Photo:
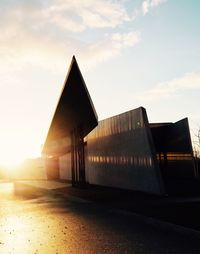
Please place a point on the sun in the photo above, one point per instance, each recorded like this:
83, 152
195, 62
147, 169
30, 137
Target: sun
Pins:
12, 155
17, 146
10, 163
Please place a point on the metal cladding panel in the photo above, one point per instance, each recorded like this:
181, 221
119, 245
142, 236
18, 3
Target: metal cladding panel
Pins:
179, 137
172, 137
174, 149
74, 110
120, 153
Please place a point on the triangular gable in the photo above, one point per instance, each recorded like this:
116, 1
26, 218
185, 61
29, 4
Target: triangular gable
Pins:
74, 109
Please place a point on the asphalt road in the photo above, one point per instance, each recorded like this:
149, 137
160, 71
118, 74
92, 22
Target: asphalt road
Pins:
47, 223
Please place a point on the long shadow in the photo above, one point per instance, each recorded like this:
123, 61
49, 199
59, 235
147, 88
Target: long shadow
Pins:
185, 213
102, 218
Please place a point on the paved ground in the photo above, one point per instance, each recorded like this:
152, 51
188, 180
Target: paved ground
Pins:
181, 210
37, 221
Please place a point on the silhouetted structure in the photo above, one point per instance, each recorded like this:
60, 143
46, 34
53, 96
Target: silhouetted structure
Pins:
123, 151
173, 148
73, 119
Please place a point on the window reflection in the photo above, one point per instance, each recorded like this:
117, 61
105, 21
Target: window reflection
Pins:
174, 156
122, 160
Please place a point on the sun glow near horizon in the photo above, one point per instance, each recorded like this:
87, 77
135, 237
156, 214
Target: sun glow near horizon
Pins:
15, 152
125, 51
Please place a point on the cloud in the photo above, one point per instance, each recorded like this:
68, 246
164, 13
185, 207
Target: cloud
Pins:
91, 14
30, 36
34, 32
148, 4
109, 47
190, 81
51, 53
74, 16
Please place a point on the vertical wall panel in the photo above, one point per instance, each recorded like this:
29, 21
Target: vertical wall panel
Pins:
122, 159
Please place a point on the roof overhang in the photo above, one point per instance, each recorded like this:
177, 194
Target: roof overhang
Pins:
74, 110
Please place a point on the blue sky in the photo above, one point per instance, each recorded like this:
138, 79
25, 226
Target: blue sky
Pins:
131, 54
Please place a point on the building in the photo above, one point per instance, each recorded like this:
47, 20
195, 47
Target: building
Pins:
123, 151
74, 118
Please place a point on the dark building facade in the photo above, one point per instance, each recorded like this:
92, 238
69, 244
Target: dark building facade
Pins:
123, 151
74, 118
174, 149
120, 153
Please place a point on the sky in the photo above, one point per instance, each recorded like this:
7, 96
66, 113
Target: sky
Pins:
131, 53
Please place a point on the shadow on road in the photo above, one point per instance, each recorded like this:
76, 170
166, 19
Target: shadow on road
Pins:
88, 227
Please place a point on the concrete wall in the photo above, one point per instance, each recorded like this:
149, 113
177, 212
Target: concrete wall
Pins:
120, 153
65, 166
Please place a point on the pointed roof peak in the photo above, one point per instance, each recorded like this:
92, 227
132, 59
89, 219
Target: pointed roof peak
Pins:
74, 109
73, 61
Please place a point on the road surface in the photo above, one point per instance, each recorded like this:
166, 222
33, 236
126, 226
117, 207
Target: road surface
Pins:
38, 223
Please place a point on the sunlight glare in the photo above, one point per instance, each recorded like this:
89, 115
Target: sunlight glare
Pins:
14, 151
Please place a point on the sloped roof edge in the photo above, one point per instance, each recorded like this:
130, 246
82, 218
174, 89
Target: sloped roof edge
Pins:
73, 62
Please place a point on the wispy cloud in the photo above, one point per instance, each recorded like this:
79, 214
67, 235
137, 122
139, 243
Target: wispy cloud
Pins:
110, 46
149, 4
189, 81
74, 16
52, 54
37, 31
90, 14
